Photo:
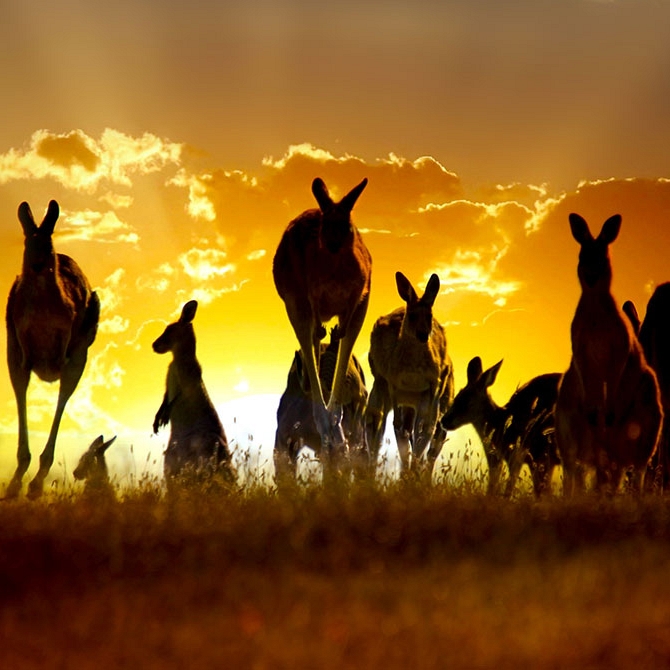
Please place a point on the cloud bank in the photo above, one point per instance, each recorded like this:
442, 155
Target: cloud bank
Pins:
153, 226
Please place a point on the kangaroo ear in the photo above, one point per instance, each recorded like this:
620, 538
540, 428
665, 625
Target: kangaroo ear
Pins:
26, 219
580, 229
321, 194
432, 289
49, 222
490, 375
630, 311
350, 198
610, 229
188, 311
97, 443
103, 447
474, 370
405, 289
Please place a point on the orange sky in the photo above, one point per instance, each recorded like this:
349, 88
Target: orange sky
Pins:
180, 139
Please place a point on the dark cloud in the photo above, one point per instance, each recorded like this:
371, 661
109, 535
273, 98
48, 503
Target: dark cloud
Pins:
68, 151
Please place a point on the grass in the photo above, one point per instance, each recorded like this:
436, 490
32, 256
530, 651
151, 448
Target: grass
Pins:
338, 576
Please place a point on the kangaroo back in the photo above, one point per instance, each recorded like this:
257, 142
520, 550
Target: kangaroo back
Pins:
655, 338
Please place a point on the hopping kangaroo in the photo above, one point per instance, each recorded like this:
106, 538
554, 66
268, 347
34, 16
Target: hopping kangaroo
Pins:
654, 336
92, 468
295, 421
52, 319
413, 375
608, 410
197, 439
520, 432
322, 270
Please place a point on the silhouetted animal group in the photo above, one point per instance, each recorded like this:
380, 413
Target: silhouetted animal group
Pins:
603, 415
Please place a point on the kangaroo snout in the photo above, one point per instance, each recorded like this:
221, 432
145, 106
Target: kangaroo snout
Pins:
159, 347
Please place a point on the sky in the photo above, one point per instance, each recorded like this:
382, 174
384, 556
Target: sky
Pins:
181, 138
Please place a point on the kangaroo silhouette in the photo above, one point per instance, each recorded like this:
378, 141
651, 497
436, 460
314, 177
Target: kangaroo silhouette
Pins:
322, 270
608, 409
197, 440
52, 320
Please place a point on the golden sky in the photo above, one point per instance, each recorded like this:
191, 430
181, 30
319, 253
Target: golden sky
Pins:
180, 138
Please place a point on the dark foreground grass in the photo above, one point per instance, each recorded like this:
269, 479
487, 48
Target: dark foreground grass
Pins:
335, 577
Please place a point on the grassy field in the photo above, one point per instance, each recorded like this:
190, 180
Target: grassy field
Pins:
341, 576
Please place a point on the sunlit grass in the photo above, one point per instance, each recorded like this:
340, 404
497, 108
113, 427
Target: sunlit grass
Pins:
370, 572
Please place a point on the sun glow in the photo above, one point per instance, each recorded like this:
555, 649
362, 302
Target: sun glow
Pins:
498, 260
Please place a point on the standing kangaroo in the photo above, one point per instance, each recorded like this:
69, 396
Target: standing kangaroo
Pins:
520, 432
295, 422
52, 320
608, 410
413, 375
322, 270
197, 439
654, 336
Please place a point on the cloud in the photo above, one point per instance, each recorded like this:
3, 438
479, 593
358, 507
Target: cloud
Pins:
232, 199
504, 253
250, 211
207, 294
304, 151
89, 225
104, 370
110, 291
81, 163
114, 325
256, 255
68, 151
159, 280
475, 272
416, 213
200, 206
116, 200
111, 299
395, 183
205, 264
196, 274
424, 174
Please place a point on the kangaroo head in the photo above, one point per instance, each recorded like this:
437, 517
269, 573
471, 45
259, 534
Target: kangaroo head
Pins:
594, 265
179, 337
39, 256
473, 399
336, 226
92, 462
418, 319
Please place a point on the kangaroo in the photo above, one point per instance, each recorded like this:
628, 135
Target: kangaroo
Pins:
295, 421
322, 270
608, 409
197, 439
413, 375
92, 468
520, 432
52, 319
654, 336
